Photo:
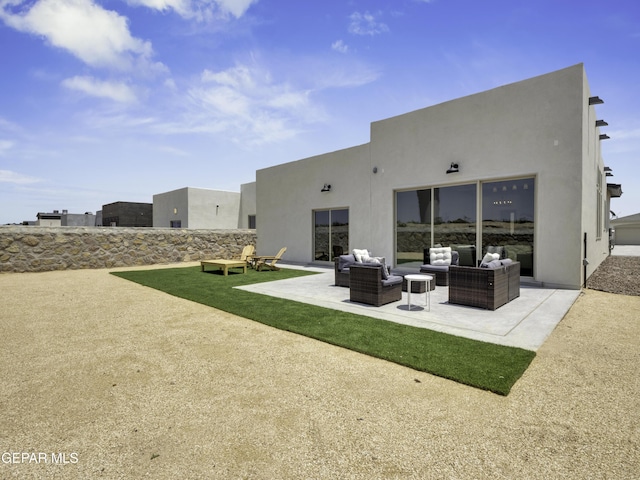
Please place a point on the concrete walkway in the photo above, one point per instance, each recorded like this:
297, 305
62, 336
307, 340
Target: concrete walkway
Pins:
626, 250
525, 322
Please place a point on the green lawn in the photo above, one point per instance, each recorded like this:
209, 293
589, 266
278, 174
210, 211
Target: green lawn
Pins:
483, 365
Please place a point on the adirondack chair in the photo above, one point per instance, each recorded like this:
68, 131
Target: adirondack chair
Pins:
247, 254
268, 261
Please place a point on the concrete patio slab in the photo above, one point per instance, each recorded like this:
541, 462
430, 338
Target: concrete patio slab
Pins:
525, 322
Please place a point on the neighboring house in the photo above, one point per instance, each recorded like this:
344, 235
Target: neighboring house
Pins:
127, 214
65, 219
201, 208
517, 166
627, 230
53, 219
86, 219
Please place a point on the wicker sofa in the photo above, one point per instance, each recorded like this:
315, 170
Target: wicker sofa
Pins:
366, 285
488, 288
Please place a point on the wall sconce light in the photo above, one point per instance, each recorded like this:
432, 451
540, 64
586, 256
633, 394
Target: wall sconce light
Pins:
453, 168
595, 101
326, 188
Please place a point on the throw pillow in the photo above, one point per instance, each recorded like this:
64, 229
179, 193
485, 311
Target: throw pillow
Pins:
359, 254
488, 258
385, 269
440, 256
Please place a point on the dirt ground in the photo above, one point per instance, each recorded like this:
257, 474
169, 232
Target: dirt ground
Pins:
103, 378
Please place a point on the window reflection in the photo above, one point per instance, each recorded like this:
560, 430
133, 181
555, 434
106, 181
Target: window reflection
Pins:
454, 221
448, 216
331, 233
508, 220
413, 225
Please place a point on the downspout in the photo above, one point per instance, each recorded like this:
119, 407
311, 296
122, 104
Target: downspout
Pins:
585, 262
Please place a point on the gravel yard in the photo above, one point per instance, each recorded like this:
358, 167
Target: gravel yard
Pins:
103, 378
617, 274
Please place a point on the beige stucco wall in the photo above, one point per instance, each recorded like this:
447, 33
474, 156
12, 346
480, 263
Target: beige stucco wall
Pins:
287, 194
627, 230
247, 203
197, 208
541, 127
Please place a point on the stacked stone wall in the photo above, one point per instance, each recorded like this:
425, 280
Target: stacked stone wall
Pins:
38, 249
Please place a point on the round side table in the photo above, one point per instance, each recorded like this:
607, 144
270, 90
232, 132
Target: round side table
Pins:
419, 278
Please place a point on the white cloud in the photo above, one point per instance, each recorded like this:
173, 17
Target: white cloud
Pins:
198, 9
5, 145
117, 91
339, 46
98, 37
245, 102
366, 24
237, 8
7, 176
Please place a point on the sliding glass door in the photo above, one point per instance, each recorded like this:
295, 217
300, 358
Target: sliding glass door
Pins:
508, 220
454, 220
448, 217
330, 233
413, 225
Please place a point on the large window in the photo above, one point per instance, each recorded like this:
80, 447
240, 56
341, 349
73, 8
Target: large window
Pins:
413, 225
447, 216
331, 233
454, 220
508, 220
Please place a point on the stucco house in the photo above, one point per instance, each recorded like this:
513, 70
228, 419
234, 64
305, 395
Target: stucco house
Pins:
627, 230
517, 166
201, 208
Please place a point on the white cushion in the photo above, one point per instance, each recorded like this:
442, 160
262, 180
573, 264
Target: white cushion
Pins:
490, 257
359, 254
440, 256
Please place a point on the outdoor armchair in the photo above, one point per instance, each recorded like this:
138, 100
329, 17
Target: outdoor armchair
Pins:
367, 285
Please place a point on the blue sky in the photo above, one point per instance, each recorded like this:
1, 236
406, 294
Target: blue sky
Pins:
117, 100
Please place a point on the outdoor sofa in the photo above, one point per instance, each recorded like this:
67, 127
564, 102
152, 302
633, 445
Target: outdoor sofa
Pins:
489, 286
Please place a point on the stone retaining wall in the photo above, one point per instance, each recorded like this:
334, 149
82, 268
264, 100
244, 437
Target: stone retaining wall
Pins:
38, 249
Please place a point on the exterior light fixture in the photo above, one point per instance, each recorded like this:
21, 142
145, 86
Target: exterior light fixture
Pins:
601, 123
326, 188
453, 168
608, 172
595, 101
604, 136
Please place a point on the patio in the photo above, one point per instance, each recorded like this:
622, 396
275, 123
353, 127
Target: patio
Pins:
525, 322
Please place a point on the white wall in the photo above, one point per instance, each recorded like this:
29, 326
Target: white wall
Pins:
541, 127
247, 203
197, 208
287, 195
213, 208
627, 230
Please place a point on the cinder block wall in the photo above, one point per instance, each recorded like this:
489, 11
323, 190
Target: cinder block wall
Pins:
39, 249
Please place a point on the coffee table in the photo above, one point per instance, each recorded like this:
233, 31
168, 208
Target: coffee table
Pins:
419, 278
225, 265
